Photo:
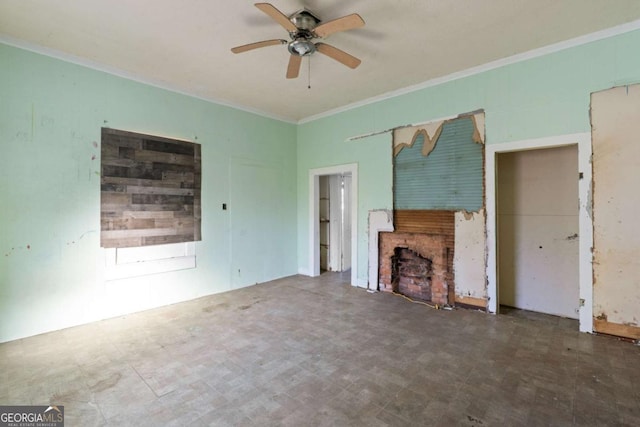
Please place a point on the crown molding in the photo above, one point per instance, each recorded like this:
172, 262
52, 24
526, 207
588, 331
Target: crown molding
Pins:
94, 65
525, 56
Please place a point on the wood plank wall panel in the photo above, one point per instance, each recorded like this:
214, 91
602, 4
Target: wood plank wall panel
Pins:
150, 190
424, 221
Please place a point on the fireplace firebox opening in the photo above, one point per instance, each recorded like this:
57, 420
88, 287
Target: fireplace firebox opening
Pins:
411, 274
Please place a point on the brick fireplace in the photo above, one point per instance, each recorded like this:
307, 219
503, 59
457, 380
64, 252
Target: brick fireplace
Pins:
416, 260
415, 265
411, 274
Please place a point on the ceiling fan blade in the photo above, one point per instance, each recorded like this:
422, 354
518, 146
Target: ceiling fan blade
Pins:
337, 54
277, 16
294, 66
256, 45
345, 23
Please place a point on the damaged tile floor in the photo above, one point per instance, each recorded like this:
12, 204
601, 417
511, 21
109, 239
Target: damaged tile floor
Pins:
315, 351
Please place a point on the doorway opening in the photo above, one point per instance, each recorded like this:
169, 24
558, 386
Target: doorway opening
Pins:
538, 230
335, 222
342, 254
584, 236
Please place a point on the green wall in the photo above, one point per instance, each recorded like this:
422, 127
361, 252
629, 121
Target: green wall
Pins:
51, 112
51, 263
543, 96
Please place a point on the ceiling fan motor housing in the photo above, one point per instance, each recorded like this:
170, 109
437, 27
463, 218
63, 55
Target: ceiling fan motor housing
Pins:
305, 20
301, 44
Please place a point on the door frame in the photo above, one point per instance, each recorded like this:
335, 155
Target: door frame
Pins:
585, 221
335, 222
314, 217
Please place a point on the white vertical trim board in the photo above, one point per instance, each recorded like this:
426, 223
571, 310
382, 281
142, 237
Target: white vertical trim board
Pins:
335, 223
583, 140
314, 217
379, 220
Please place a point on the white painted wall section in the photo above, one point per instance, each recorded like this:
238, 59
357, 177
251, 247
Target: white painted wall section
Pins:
615, 116
379, 220
470, 255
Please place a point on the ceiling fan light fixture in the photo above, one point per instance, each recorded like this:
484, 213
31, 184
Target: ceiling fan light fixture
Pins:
301, 47
303, 27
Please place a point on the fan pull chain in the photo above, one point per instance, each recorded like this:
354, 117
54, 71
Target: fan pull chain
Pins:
309, 63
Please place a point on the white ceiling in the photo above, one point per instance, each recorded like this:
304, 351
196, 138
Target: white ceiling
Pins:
185, 45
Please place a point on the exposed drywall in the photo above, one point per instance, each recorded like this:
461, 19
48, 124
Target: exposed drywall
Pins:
406, 136
615, 119
469, 258
52, 269
538, 241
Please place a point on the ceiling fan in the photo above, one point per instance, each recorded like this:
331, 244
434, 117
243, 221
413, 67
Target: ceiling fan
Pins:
303, 27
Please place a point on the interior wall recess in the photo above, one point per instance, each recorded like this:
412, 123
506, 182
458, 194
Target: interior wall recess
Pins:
585, 223
438, 170
150, 190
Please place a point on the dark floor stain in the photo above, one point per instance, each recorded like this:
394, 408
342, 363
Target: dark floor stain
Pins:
211, 308
245, 307
107, 383
66, 396
474, 420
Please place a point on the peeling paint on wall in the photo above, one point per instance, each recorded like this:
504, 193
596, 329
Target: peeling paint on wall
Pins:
407, 136
452, 178
478, 125
616, 267
467, 215
449, 178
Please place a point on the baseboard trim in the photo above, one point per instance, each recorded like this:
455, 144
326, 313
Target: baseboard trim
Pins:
472, 301
617, 329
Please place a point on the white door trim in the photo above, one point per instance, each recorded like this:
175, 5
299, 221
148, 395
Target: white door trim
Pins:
583, 140
314, 218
